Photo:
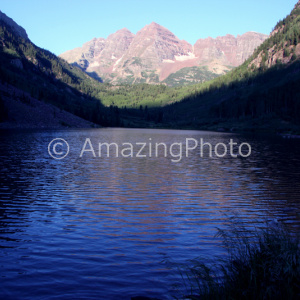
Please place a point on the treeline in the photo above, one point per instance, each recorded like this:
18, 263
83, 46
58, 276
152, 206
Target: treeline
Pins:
132, 96
277, 102
271, 95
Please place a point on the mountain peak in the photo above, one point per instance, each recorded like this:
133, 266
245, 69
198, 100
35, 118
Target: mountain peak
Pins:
155, 26
124, 30
154, 29
20, 31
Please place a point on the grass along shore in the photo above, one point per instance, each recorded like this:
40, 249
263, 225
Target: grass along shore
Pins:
262, 263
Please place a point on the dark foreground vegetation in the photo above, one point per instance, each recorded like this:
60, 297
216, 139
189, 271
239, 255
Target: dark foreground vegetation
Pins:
261, 264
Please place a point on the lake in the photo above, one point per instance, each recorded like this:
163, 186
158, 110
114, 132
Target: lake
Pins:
89, 226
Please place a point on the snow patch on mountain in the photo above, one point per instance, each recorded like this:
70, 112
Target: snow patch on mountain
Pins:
185, 57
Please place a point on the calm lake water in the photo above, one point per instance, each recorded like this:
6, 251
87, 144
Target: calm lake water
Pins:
99, 228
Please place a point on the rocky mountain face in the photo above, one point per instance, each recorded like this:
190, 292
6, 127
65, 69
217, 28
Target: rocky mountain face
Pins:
100, 53
155, 53
228, 50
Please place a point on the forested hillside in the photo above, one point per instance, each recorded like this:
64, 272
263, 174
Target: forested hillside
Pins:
262, 93
50, 79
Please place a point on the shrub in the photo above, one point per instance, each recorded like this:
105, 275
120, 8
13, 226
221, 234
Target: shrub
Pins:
261, 264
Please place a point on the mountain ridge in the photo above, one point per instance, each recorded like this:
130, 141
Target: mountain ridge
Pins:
154, 53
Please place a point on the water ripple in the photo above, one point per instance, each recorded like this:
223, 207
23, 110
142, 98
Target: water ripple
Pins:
99, 228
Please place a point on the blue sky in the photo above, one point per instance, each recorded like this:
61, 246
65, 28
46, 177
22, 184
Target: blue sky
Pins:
61, 25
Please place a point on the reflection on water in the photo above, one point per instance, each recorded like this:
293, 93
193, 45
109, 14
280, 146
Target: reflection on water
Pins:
99, 228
